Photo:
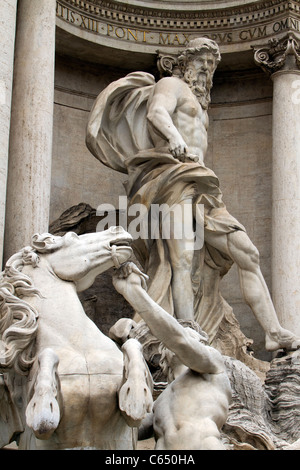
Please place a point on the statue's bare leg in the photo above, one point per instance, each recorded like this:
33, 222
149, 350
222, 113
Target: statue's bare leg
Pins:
43, 411
254, 289
181, 252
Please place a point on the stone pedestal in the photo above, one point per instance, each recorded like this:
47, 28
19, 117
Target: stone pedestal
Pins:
8, 11
29, 172
282, 59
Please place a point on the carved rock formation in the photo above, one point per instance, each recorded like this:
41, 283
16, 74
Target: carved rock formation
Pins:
265, 415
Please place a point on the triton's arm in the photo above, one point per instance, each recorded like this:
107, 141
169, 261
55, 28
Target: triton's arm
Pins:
190, 351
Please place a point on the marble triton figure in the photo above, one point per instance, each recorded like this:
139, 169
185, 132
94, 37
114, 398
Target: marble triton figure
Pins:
191, 411
156, 132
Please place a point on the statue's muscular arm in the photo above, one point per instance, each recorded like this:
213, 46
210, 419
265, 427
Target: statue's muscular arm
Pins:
165, 99
198, 357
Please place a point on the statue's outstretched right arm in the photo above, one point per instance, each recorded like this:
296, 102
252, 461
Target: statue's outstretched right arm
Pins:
190, 351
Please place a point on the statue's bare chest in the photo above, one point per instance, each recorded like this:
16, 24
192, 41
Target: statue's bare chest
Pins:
191, 113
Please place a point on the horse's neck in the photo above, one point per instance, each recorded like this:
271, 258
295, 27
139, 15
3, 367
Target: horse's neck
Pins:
64, 327
58, 297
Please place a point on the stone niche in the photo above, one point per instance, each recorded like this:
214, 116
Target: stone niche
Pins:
99, 41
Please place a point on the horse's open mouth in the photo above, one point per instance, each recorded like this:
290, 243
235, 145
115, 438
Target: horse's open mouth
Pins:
120, 243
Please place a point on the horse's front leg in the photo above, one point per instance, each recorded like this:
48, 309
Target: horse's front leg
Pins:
43, 410
135, 395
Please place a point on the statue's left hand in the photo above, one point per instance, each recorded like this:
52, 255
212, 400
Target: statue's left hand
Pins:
129, 276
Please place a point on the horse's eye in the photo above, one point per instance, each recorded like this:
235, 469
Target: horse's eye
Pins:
71, 236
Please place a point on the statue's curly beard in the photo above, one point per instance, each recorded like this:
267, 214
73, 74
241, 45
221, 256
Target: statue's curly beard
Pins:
200, 83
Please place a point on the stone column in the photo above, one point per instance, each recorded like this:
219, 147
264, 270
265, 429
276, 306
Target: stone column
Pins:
29, 171
282, 60
8, 12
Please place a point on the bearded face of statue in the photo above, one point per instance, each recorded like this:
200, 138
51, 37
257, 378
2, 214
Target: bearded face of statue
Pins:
198, 75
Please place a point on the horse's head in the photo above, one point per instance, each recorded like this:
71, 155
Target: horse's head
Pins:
80, 258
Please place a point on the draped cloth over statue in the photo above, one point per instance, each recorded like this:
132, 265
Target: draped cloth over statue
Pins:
118, 135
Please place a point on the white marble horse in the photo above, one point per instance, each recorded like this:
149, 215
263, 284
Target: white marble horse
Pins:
70, 374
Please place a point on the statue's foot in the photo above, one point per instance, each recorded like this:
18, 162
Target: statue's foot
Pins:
43, 411
283, 339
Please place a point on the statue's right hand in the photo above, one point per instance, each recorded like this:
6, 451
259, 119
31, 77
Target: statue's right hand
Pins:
178, 148
128, 276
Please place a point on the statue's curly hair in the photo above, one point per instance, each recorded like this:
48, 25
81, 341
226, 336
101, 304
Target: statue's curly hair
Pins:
198, 45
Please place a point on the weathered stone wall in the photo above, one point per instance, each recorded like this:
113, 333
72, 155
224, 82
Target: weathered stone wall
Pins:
76, 175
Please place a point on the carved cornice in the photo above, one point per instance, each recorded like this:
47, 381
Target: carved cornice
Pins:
184, 19
148, 29
273, 57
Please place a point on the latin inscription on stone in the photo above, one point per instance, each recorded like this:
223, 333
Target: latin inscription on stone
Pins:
164, 38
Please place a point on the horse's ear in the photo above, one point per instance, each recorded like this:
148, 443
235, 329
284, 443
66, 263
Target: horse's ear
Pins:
45, 242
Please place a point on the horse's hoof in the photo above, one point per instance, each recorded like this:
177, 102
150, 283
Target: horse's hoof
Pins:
43, 415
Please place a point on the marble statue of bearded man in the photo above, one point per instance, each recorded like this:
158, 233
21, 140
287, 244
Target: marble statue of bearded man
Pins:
156, 133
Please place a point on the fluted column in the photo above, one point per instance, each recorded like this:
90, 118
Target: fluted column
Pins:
8, 12
282, 60
29, 171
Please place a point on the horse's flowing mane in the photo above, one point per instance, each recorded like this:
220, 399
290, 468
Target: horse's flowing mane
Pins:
18, 319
